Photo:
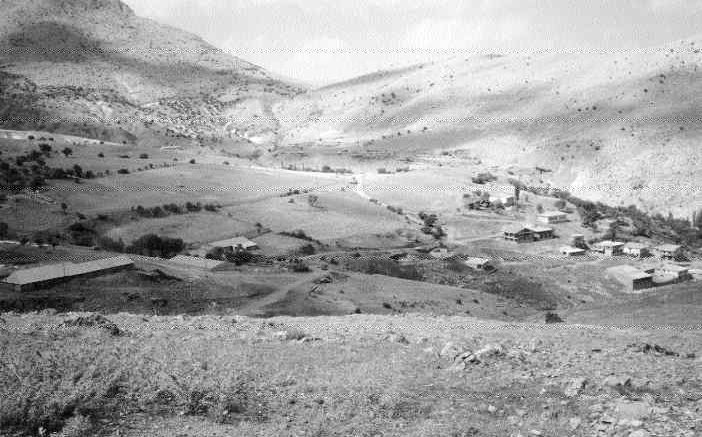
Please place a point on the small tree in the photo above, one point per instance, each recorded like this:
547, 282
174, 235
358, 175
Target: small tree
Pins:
144, 156
67, 151
64, 207
539, 208
45, 149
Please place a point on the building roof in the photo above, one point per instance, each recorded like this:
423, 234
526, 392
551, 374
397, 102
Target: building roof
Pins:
64, 270
552, 214
568, 249
674, 268
633, 245
609, 243
514, 229
539, 229
192, 261
234, 242
668, 247
475, 261
630, 272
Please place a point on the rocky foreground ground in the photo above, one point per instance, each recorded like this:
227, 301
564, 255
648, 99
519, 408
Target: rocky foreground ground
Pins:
123, 375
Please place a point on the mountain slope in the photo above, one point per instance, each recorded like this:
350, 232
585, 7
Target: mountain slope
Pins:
616, 127
66, 62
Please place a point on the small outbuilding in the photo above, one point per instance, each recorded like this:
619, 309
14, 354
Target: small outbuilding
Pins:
550, 217
478, 263
441, 253
637, 250
609, 248
668, 251
572, 251
679, 272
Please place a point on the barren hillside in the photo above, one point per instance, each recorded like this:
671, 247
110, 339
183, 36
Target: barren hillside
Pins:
618, 127
94, 68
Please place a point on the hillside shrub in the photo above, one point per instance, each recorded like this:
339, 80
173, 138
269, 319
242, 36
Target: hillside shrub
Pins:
483, 178
155, 245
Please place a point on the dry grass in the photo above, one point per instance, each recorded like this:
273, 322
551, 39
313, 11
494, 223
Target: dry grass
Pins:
237, 375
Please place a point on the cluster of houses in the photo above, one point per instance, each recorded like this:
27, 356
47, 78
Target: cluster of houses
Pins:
635, 279
479, 200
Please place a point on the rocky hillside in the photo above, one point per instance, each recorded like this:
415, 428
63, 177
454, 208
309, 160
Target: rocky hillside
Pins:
92, 67
618, 127
356, 375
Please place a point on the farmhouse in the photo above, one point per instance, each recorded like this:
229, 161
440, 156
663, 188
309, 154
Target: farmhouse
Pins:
609, 248
679, 272
631, 277
572, 251
517, 233
668, 251
45, 276
526, 233
540, 232
549, 217
441, 253
233, 243
200, 263
478, 263
638, 250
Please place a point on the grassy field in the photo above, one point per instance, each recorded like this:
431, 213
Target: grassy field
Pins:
335, 215
196, 228
186, 183
355, 375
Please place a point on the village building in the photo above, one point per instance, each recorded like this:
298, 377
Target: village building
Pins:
517, 234
631, 277
680, 273
609, 248
668, 251
441, 253
550, 217
233, 243
48, 275
541, 232
572, 251
200, 263
478, 263
637, 250
527, 233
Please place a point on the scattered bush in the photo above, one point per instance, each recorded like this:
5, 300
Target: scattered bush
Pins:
122, 171
484, 178
298, 266
154, 245
144, 156
553, 318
